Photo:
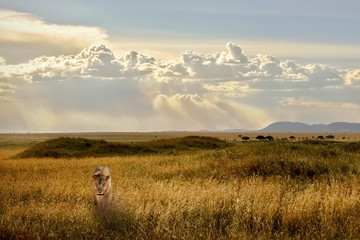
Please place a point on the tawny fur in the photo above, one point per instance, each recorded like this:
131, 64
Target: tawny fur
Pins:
101, 188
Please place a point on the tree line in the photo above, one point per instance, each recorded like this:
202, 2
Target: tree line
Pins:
292, 138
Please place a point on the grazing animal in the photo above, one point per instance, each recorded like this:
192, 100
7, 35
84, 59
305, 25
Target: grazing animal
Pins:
101, 188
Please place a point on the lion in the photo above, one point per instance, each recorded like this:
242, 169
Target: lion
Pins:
101, 188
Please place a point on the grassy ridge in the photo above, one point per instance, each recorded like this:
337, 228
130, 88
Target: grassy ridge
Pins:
65, 147
254, 190
306, 160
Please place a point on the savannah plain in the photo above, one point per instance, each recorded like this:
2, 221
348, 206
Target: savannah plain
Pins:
300, 189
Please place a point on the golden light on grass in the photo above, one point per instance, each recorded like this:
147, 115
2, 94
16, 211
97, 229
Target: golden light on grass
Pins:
256, 190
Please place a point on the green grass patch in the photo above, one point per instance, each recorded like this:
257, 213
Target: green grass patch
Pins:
65, 147
297, 160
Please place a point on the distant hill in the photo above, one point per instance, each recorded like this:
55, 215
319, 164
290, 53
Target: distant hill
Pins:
65, 147
298, 127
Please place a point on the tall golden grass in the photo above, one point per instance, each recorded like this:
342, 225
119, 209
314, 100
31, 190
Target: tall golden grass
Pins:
260, 190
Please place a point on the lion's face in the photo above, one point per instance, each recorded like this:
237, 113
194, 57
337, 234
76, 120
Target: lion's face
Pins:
101, 178
101, 184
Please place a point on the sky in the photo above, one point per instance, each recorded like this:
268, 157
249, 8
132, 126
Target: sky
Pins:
177, 65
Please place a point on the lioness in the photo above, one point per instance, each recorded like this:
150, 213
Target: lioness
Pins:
101, 188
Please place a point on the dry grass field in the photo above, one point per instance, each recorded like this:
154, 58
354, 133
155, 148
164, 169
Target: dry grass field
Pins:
252, 190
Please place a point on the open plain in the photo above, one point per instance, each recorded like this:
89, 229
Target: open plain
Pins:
301, 189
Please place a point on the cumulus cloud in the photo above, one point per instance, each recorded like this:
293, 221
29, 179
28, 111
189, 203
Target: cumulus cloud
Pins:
352, 77
95, 61
205, 66
137, 61
139, 92
99, 61
234, 55
167, 71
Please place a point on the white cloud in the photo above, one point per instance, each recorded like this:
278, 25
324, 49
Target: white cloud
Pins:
352, 77
99, 61
25, 35
95, 61
137, 61
23, 27
234, 55
167, 71
270, 65
323, 76
205, 66
139, 92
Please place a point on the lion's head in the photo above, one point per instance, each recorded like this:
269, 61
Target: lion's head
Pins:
101, 180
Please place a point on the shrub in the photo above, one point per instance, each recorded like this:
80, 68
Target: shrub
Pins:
245, 138
260, 137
